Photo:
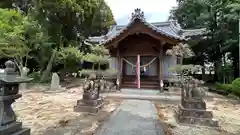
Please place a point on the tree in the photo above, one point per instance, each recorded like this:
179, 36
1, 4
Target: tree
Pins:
221, 31
66, 24
18, 34
182, 51
70, 57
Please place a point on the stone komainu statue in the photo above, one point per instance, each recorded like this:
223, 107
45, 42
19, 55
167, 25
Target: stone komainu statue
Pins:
197, 91
91, 87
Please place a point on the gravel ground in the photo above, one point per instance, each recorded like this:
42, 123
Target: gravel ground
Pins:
226, 111
51, 113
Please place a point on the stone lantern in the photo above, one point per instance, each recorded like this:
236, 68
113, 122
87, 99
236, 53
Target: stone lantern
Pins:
9, 92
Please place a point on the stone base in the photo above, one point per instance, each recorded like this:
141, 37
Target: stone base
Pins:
199, 113
90, 102
195, 117
14, 129
194, 104
89, 106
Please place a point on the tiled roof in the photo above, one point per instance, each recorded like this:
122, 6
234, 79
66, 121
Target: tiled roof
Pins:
169, 28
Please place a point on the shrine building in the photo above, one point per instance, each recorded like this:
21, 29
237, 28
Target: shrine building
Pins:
143, 45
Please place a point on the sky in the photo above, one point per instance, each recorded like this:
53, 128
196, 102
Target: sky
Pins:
154, 10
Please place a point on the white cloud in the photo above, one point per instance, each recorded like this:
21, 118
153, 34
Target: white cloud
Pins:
123, 8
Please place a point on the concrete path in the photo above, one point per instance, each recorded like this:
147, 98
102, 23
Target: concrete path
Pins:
133, 117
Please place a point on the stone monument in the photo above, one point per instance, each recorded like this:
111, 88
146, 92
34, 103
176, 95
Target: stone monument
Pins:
9, 88
90, 102
192, 110
55, 82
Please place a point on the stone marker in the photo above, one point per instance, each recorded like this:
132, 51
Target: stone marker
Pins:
9, 88
55, 82
24, 74
192, 110
91, 102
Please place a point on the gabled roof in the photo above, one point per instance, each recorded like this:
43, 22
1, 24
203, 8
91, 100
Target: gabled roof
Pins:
169, 29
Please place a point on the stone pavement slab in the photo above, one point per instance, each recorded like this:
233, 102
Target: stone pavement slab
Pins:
133, 117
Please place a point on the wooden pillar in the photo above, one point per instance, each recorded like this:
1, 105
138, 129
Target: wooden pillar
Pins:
118, 69
161, 77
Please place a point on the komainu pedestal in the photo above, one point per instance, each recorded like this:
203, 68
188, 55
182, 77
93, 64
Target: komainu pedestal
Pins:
192, 110
9, 88
91, 102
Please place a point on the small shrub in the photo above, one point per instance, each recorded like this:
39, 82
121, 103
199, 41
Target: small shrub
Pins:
36, 76
220, 86
224, 89
236, 86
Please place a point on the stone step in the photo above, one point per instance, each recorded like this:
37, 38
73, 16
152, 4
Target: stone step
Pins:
142, 86
10, 128
24, 131
194, 112
196, 121
142, 82
88, 109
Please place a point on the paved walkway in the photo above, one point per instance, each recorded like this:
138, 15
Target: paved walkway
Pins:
133, 117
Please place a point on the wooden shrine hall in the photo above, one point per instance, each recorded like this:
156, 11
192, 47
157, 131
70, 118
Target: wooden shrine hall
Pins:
137, 50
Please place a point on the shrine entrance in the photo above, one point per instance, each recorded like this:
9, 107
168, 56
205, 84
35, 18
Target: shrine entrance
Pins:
148, 71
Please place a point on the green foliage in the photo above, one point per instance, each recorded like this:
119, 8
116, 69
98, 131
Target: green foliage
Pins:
236, 86
99, 50
71, 57
12, 30
96, 59
184, 69
98, 55
36, 76
182, 50
45, 26
110, 72
227, 87
220, 21
104, 73
73, 19
21, 37
86, 72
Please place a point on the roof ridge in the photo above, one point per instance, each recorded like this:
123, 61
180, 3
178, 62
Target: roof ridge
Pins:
154, 23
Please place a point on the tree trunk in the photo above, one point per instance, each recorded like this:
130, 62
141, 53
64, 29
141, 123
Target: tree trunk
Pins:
49, 67
235, 67
203, 69
215, 71
224, 74
19, 63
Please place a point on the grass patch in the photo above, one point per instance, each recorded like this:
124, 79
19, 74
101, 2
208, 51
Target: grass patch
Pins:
226, 89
